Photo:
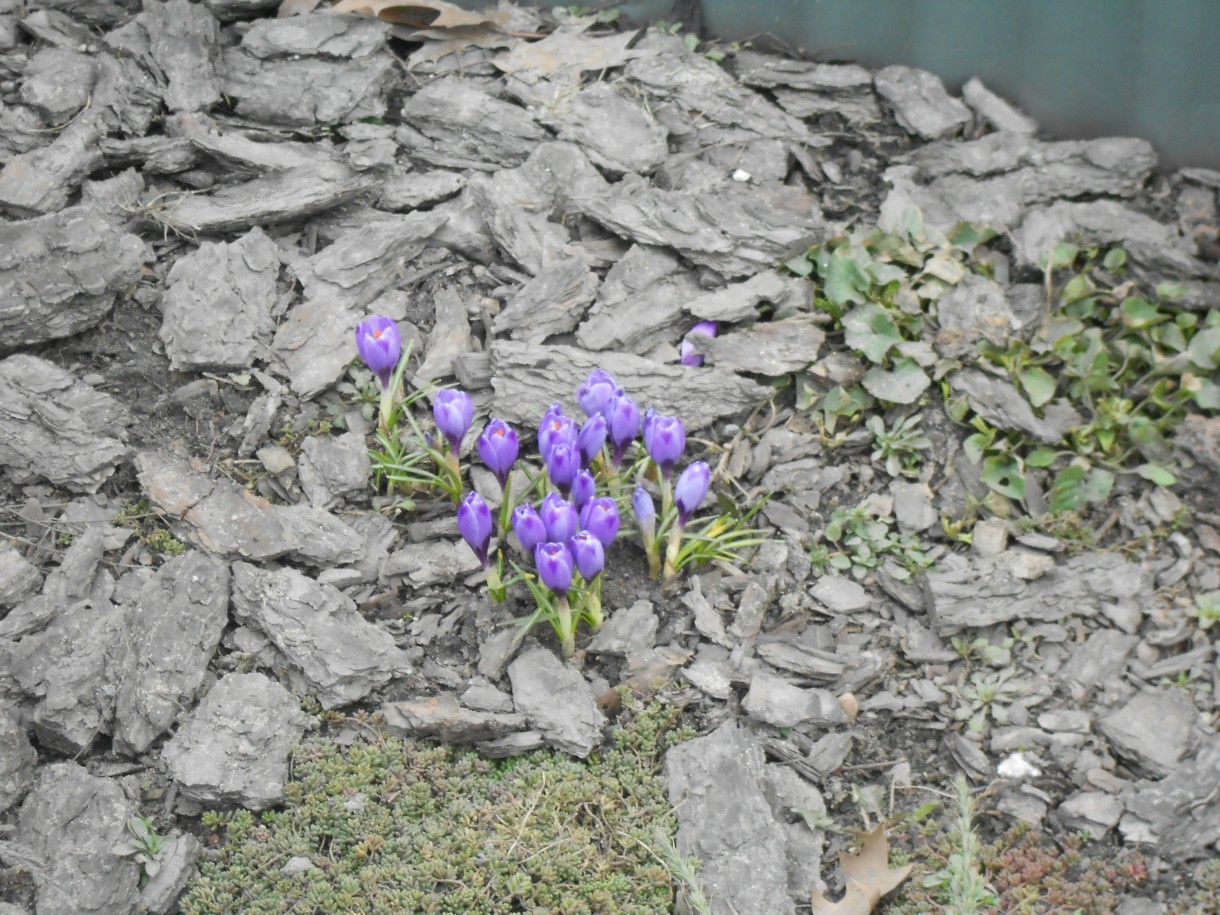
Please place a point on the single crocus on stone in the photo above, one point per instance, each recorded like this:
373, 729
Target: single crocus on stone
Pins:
596, 390
584, 488
474, 524
498, 447
562, 465
553, 560
588, 554
591, 437
559, 516
380, 346
689, 356
453, 411
528, 527
665, 440
556, 428
600, 518
623, 424
690, 489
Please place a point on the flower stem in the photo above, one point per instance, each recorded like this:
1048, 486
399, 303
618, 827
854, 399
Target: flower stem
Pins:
495, 581
593, 604
564, 627
672, 548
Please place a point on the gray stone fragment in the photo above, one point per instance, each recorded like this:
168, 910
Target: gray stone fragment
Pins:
980, 593
70, 822
307, 90
61, 273
18, 760
771, 348
481, 696
228, 10
218, 303
177, 868
1093, 812
19, 578
627, 632
913, 507
558, 701
794, 802
1152, 731
333, 467
441, 717
776, 701
315, 337
450, 337
997, 112
184, 41
805, 88
222, 518
339, 656
176, 625
58, 83
552, 303
1103, 655
839, 594
829, 752
512, 745
436, 562
417, 189
233, 750
739, 301
733, 230
57, 428
640, 302
460, 122
989, 538
1001, 404
920, 102
320, 33
813, 663
526, 378
116, 196
616, 131
1178, 809
716, 786
976, 308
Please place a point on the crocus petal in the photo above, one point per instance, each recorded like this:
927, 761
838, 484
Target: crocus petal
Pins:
560, 517
453, 411
474, 524
528, 527
665, 440
623, 420
562, 464
596, 390
584, 488
588, 554
380, 346
689, 356
690, 489
600, 518
498, 447
553, 560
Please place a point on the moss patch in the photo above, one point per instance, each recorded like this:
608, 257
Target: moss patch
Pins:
390, 825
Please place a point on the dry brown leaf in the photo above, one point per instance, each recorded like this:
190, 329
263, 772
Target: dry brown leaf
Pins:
868, 876
419, 14
850, 705
567, 49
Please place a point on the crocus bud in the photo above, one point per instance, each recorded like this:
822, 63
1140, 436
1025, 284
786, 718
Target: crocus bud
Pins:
553, 560
474, 524
689, 356
690, 490
562, 464
559, 516
591, 437
645, 509
597, 389
555, 428
528, 527
584, 488
623, 422
380, 346
600, 518
665, 440
498, 446
588, 554
453, 411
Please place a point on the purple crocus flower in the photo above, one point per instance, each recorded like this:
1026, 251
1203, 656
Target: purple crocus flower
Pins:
665, 440
380, 346
562, 464
498, 447
645, 509
584, 488
453, 411
556, 428
529, 527
597, 389
559, 516
553, 560
689, 356
588, 554
591, 437
690, 490
600, 518
474, 524
623, 422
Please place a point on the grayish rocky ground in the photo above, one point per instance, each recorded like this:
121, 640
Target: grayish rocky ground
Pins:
197, 211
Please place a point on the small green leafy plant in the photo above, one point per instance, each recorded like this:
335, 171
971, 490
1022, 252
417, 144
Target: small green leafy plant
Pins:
1206, 610
858, 540
143, 846
898, 447
961, 882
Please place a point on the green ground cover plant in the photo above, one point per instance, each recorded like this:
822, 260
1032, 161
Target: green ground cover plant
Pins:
390, 825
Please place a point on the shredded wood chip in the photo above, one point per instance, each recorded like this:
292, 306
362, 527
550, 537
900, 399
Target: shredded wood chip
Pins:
419, 14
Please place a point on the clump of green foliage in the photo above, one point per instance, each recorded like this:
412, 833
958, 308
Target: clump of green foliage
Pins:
858, 540
1206, 895
143, 845
391, 825
140, 516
